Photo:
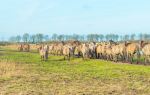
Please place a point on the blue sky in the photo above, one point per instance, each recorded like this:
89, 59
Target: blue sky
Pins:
74, 16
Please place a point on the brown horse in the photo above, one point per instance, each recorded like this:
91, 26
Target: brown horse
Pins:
108, 51
78, 50
101, 50
118, 52
20, 47
132, 49
26, 47
145, 51
67, 51
85, 51
43, 50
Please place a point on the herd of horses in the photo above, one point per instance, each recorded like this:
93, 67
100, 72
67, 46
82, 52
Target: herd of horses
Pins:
111, 51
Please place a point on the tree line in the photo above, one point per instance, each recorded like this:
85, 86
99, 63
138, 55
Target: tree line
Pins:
38, 38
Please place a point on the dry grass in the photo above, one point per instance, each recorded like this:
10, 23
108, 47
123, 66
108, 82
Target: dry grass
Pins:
15, 47
8, 73
8, 70
33, 79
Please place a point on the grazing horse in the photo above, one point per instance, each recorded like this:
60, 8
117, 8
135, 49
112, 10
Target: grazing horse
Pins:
26, 47
118, 52
92, 47
100, 50
78, 50
145, 51
85, 51
59, 48
38, 46
20, 47
108, 51
43, 50
131, 50
51, 49
74, 46
67, 51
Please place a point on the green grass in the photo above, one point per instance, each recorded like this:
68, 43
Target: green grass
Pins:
25, 73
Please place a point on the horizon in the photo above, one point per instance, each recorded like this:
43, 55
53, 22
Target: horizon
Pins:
32, 38
74, 17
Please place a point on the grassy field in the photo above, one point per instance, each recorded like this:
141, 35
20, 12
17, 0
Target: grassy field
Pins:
24, 74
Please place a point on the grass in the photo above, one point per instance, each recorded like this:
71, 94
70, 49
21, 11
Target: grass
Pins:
24, 73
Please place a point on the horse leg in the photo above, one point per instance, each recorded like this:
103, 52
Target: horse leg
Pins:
131, 59
83, 56
145, 61
64, 58
47, 55
115, 58
97, 56
122, 59
41, 58
148, 60
127, 58
101, 56
108, 58
44, 57
69, 58
111, 57
78, 54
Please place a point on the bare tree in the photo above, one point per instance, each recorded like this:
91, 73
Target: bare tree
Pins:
39, 37
54, 37
26, 37
33, 38
141, 37
18, 38
46, 38
101, 37
133, 37
126, 37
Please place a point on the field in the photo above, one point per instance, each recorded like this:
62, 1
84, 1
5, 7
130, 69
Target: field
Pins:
23, 73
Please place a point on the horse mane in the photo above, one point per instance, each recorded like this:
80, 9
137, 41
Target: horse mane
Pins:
127, 43
142, 43
112, 42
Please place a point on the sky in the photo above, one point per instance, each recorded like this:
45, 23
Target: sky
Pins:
74, 17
